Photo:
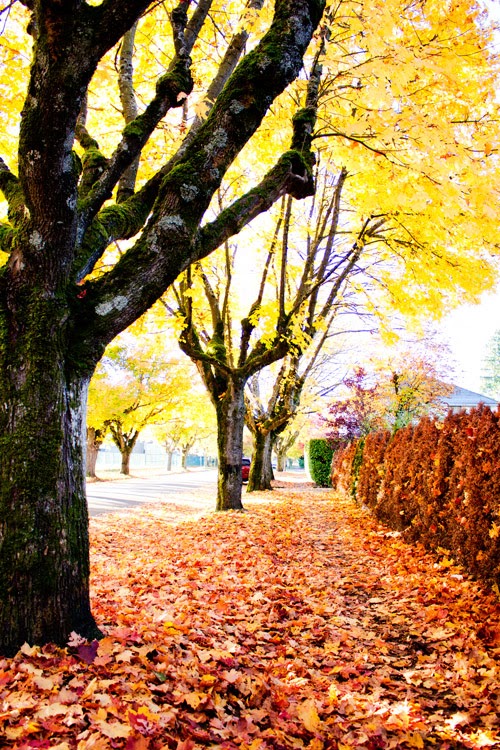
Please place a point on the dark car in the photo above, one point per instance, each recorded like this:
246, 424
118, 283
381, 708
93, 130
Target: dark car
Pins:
245, 469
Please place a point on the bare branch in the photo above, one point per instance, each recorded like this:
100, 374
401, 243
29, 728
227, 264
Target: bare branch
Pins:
126, 184
171, 90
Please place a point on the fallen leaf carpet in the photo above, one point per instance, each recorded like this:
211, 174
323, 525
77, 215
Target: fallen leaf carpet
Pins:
302, 623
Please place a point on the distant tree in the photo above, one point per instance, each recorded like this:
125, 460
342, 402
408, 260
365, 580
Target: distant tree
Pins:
97, 421
396, 393
134, 387
191, 422
295, 300
411, 391
355, 415
95, 438
282, 446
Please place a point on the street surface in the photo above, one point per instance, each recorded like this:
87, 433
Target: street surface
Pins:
108, 496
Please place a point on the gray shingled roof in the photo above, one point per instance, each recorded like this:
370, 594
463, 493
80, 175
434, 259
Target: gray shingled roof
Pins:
462, 398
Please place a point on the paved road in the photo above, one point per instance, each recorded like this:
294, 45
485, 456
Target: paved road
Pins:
106, 497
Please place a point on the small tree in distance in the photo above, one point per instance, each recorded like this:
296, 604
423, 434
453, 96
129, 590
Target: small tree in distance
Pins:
356, 415
396, 394
191, 422
135, 386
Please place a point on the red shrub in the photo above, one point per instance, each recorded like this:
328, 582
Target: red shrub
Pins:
439, 482
372, 467
392, 498
473, 508
342, 467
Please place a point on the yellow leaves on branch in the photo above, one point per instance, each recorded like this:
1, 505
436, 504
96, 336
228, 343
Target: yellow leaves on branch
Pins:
411, 106
408, 106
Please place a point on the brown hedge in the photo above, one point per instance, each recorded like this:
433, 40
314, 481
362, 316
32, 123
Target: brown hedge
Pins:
342, 466
438, 482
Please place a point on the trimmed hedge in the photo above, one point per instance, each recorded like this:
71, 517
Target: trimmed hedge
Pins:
320, 455
372, 467
437, 482
342, 467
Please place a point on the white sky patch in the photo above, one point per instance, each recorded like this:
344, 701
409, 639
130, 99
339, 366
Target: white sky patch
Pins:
468, 330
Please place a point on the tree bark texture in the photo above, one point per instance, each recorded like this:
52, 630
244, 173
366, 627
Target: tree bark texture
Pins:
44, 560
95, 439
54, 321
261, 470
281, 459
230, 411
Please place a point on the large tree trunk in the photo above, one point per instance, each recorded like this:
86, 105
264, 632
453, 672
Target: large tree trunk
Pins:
95, 439
43, 509
125, 467
230, 411
281, 458
261, 470
169, 460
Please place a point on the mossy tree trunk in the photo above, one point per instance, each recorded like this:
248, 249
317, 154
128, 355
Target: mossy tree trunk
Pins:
95, 438
230, 411
44, 560
56, 320
261, 469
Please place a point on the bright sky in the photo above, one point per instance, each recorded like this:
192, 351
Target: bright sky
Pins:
468, 330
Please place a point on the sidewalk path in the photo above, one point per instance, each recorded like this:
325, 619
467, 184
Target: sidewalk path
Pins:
302, 623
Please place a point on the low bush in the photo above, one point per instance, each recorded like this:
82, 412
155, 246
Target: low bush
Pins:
320, 461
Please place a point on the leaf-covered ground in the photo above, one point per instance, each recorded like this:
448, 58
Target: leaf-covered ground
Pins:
300, 624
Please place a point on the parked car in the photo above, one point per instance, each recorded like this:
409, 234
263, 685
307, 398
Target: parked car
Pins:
245, 469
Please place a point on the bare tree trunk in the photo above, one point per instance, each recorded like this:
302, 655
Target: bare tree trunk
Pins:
261, 470
230, 423
95, 438
281, 446
125, 443
125, 466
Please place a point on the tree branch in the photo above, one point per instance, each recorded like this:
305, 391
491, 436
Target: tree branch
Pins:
171, 90
281, 179
169, 241
248, 324
126, 184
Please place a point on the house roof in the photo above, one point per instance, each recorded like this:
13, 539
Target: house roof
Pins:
461, 397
